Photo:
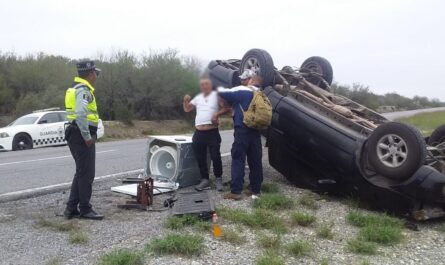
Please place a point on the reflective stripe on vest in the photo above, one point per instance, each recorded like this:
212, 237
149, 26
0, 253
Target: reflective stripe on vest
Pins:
70, 102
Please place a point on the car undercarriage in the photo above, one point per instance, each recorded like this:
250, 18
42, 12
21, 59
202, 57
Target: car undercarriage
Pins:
329, 143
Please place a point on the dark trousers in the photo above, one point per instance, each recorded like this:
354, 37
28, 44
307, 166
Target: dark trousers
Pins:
247, 143
85, 159
208, 140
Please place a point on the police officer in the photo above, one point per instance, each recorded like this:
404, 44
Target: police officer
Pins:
81, 135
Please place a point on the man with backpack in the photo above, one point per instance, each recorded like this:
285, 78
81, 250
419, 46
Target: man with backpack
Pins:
252, 111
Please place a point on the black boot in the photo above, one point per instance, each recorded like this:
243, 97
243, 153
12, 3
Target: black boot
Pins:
70, 214
92, 215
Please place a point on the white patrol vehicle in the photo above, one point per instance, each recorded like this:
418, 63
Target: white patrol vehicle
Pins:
38, 129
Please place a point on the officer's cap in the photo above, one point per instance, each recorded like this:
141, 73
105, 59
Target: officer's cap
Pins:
87, 66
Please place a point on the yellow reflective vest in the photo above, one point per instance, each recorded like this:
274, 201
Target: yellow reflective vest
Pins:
71, 101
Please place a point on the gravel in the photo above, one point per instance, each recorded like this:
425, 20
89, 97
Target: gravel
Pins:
24, 243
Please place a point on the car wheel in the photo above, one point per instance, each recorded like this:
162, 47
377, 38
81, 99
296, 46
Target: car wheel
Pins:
321, 67
438, 136
396, 150
261, 63
22, 141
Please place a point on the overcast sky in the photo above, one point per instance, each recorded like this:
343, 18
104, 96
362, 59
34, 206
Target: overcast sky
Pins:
389, 45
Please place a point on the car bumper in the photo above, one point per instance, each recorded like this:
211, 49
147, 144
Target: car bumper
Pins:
427, 186
6, 144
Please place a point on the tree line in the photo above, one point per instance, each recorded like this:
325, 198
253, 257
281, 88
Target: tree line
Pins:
147, 86
363, 95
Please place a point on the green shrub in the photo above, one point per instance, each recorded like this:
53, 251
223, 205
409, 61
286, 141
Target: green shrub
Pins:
122, 257
271, 242
232, 236
325, 231
270, 188
303, 219
385, 235
181, 244
298, 248
273, 201
307, 200
362, 247
372, 219
270, 258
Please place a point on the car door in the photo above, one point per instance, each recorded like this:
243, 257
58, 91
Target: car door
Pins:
50, 130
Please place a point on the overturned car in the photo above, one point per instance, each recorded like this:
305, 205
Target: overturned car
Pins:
329, 143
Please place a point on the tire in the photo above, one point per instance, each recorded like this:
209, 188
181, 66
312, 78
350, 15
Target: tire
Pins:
396, 150
438, 136
22, 141
261, 63
320, 66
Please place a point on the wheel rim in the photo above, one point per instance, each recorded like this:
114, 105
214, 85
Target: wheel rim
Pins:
392, 150
253, 64
23, 143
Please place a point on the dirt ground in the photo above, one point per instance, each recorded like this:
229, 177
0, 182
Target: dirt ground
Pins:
24, 241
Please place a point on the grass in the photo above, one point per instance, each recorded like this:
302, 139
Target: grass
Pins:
372, 219
122, 257
308, 201
303, 219
270, 258
362, 247
273, 201
270, 188
180, 222
54, 261
77, 237
180, 244
377, 228
57, 226
426, 122
298, 248
324, 261
270, 242
232, 236
325, 231
385, 235
258, 219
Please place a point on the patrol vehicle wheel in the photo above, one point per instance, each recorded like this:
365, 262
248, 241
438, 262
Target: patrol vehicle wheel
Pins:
22, 141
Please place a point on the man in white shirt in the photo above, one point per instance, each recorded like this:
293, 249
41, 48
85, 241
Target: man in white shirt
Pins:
206, 136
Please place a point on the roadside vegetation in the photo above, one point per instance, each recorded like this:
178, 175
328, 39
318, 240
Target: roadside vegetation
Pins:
122, 257
75, 234
269, 242
302, 219
298, 248
325, 230
270, 258
375, 229
175, 243
426, 122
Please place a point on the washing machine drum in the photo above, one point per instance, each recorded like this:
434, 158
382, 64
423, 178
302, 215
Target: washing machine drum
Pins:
163, 162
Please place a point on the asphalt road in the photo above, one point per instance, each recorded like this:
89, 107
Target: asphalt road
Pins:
42, 167
408, 113
51, 166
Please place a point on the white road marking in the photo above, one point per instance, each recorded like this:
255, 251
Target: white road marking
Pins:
48, 158
225, 154
47, 189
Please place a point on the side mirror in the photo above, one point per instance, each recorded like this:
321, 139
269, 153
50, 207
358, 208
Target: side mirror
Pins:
43, 121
